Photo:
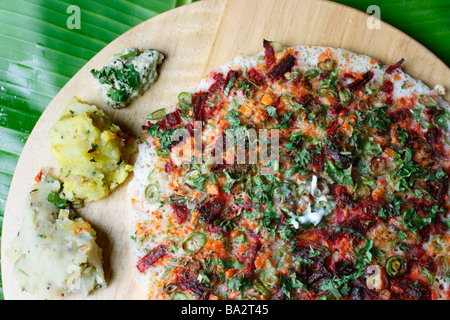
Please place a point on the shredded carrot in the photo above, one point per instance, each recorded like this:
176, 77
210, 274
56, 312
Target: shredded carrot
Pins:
352, 118
267, 99
235, 233
78, 229
229, 273
323, 56
389, 152
38, 178
261, 259
212, 296
212, 189
404, 101
378, 193
194, 216
347, 127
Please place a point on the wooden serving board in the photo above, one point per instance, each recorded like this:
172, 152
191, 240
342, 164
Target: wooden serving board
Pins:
196, 39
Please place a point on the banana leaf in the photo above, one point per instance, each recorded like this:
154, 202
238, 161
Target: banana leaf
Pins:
39, 53
428, 22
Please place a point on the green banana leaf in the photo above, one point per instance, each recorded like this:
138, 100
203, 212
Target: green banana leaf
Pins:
39, 53
428, 22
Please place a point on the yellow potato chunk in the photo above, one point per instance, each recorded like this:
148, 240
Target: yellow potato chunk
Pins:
92, 151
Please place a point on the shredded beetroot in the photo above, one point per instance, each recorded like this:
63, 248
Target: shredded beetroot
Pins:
395, 66
219, 82
181, 212
212, 209
169, 166
305, 99
361, 83
198, 101
337, 156
148, 260
269, 53
189, 281
161, 123
317, 158
173, 118
282, 67
409, 289
255, 76
387, 87
343, 199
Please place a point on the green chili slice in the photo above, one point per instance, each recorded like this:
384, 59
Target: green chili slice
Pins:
261, 289
276, 45
221, 293
281, 256
157, 115
443, 269
362, 191
393, 177
151, 192
270, 279
426, 101
345, 96
163, 153
396, 266
294, 75
194, 243
427, 273
185, 103
185, 98
441, 120
179, 296
324, 91
170, 288
326, 65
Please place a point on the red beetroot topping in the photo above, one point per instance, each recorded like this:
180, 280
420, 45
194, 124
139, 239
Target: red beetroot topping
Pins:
181, 212
198, 101
212, 210
269, 53
395, 66
361, 83
148, 260
255, 76
285, 65
173, 119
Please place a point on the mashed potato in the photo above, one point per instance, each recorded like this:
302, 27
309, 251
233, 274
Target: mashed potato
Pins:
54, 253
92, 151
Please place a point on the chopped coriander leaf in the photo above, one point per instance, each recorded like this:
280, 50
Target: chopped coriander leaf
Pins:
54, 198
118, 95
272, 111
230, 85
376, 118
239, 283
233, 119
